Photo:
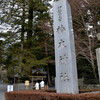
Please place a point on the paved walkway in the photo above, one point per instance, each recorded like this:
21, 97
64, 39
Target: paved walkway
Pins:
2, 97
3, 89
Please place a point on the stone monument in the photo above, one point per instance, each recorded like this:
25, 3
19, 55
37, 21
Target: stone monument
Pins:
98, 60
66, 71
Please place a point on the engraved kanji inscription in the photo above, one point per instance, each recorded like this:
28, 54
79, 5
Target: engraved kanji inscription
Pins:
56, 0
63, 59
61, 76
60, 29
59, 13
64, 77
61, 44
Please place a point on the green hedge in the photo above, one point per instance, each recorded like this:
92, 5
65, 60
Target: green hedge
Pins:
44, 95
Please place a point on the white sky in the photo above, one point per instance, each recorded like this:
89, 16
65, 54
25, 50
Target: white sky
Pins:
5, 27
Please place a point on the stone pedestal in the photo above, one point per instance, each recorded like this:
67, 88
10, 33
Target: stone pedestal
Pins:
66, 71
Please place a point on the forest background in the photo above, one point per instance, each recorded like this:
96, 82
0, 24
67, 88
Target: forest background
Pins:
27, 37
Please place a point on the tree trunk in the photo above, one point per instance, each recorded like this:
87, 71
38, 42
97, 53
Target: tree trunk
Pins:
48, 72
49, 79
21, 67
22, 40
23, 21
91, 57
30, 21
94, 71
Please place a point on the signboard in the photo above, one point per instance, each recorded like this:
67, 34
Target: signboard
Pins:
9, 88
26, 83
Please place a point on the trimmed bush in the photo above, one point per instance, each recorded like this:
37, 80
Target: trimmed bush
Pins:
48, 95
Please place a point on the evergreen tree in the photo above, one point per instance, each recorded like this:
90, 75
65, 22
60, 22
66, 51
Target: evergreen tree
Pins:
26, 39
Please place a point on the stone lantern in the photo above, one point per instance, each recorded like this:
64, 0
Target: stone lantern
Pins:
98, 32
98, 36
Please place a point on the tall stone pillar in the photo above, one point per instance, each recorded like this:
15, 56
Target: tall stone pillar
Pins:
98, 60
66, 71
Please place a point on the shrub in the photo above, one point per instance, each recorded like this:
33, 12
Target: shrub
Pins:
44, 95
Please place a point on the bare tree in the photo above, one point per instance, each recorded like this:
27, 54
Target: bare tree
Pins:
85, 20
